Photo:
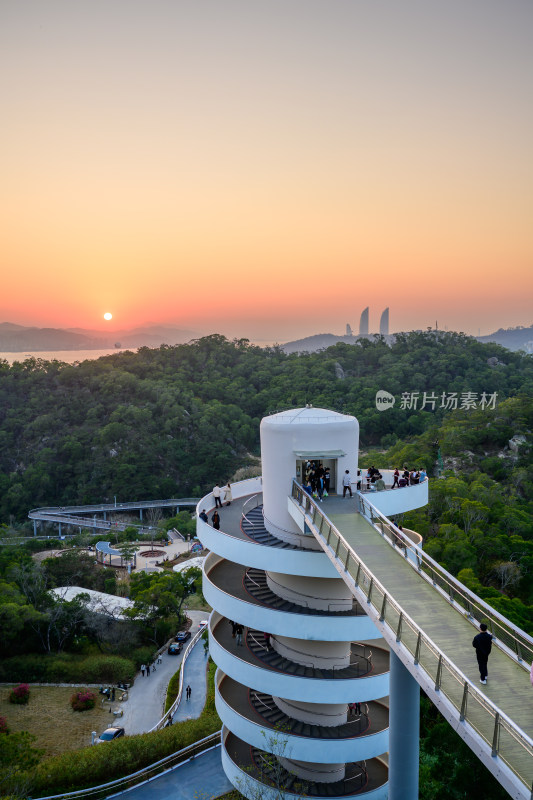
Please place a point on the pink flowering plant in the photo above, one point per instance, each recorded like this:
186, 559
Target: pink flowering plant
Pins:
3, 725
20, 694
83, 701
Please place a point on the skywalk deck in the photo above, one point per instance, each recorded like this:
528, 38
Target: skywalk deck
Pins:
433, 638
508, 685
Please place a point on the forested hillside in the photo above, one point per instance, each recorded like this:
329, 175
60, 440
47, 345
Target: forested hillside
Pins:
170, 421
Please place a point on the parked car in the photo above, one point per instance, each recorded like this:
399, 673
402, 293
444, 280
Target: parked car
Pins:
182, 636
174, 649
110, 734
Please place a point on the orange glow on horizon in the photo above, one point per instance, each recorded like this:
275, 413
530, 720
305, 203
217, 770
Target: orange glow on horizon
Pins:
259, 179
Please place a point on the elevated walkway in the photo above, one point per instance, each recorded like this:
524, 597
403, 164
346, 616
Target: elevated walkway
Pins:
429, 621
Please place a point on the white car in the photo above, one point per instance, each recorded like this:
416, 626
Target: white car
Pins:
203, 624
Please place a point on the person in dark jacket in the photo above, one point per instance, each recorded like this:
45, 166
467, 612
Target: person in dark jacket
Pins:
203, 515
215, 520
239, 631
483, 645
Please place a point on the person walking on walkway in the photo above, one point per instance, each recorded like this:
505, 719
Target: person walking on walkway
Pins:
238, 631
188, 692
143, 669
148, 670
216, 495
346, 483
483, 645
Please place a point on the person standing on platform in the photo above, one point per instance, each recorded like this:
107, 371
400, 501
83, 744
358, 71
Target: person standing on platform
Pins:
327, 481
228, 497
346, 483
216, 495
483, 645
215, 519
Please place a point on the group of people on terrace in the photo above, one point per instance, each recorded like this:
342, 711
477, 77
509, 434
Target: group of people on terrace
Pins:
374, 481
408, 477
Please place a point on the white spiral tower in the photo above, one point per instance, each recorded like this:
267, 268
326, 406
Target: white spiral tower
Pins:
304, 697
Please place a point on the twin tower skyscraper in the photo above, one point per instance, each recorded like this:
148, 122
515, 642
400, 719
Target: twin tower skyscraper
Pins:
363, 324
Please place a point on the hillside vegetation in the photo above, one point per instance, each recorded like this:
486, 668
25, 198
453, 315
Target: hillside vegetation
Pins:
170, 421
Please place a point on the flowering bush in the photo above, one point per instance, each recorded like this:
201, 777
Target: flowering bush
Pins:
83, 701
3, 725
20, 694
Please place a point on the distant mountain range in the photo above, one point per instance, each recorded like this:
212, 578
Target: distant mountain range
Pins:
519, 338
19, 338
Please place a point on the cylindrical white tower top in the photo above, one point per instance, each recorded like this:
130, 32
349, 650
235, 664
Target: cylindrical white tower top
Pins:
314, 434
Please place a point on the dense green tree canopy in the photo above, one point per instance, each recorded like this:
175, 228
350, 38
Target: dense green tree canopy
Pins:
170, 421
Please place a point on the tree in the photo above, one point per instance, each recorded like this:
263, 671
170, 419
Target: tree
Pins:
127, 552
508, 574
159, 595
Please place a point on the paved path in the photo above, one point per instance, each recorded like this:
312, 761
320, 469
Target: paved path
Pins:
194, 675
202, 778
144, 707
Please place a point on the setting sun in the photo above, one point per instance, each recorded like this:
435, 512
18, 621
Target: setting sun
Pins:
107, 315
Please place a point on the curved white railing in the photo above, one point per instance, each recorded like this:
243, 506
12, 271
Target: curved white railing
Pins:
172, 710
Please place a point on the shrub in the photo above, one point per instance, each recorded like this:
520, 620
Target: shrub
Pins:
67, 668
31, 668
3, 725
83, 701
20, 694
172, 689
143, 655
107, 669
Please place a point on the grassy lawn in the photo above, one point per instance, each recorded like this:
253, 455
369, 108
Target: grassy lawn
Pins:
49, 717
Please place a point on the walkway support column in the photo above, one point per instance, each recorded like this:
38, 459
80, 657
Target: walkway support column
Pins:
404, 732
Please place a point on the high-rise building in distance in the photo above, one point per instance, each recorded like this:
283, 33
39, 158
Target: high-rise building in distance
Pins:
384, 323
363, 323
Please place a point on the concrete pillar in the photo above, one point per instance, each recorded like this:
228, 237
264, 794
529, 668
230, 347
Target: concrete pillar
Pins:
404, 732
60, 530
35, 527
141, 514
105, 516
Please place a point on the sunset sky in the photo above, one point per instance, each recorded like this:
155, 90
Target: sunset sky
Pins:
266, 169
